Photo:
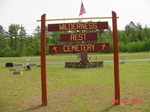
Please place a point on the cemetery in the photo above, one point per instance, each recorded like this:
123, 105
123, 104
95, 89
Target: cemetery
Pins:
82, 64
74, 86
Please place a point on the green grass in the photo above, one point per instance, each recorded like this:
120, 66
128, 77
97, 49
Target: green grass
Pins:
76, 90
73, 57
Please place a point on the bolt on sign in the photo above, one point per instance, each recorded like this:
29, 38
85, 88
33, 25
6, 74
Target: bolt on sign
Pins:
78, 48
78, 37
78, 26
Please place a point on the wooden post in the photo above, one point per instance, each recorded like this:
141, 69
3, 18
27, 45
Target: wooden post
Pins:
43, 61
116, 59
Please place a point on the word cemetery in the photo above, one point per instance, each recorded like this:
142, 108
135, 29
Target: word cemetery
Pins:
79, 48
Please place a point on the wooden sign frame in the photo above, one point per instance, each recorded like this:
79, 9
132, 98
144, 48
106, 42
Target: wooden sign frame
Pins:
116, 58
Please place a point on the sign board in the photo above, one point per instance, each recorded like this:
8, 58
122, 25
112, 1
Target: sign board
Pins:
78, 26
78, 37
78, 48
82, 47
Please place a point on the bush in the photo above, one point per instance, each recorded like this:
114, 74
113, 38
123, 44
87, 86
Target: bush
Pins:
15, 54
147, 45
29, 51
138, 46
122, 47
5, 52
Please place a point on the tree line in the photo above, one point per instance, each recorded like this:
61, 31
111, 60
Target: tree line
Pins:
16, 42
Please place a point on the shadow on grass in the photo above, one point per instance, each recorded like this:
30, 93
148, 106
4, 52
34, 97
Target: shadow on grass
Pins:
33, 108
108, 108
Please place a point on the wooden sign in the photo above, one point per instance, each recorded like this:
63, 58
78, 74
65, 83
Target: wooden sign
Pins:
78, 26
78, 37
78, 48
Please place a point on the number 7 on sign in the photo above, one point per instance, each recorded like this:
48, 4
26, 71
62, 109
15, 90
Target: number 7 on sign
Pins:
103, 46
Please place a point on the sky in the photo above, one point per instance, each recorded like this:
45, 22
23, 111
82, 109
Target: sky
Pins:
27, 12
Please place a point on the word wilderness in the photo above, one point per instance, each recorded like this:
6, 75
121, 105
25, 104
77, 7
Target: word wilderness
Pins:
78, 26
78, 48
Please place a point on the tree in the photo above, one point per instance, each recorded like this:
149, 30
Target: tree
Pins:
130, 32
2, 31
36, 40
130, 28
37, 31
2, 39
55, 38
13, 33
29, 50
122, 37
22, 37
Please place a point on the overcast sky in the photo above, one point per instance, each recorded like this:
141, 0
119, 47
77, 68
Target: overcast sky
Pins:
26, 12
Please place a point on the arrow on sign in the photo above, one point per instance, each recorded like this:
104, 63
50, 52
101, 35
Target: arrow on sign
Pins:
55, 48
79, 48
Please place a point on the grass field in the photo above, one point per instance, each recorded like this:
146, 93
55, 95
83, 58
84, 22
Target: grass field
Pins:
77, 90
73, 57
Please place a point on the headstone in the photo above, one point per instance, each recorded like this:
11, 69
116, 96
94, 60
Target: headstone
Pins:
17, 72
18, 65
122, 62
27, 61
32, 64
84, 57
9, 64
28, 67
